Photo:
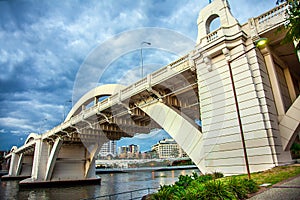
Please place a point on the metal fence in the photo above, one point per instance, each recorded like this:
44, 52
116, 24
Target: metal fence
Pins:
133, 194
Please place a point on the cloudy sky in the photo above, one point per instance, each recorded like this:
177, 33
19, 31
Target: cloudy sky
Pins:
44, 44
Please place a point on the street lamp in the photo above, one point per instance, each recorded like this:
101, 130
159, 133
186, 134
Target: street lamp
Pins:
148, 43
262, 42
64, 114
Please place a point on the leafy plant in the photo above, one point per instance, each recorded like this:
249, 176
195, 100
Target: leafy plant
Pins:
204, 178
293, 22
237, 188
216, 189
217, 175
250, 185
184, 181
164, 193
194, 191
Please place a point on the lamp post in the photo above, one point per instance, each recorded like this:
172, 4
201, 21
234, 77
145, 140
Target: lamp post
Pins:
64, 114
148, 43
259, 43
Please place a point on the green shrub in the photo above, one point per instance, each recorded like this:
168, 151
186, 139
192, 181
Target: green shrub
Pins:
250, 185
195, 175
240, 187
206, 187
216, 190
194, 191
237, 188
184, 181
204, 178
164, 193
217, 175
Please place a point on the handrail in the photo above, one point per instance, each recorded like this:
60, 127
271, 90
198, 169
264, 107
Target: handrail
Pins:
213, 35
122, 193
271, 19
272, 13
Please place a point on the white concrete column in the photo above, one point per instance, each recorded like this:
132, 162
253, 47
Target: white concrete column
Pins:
52, 158
35, 163
90, 156
40, 159
13, 164
181, 128
19, 166
274, 82
290, 84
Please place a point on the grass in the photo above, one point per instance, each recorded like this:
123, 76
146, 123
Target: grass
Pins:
275, 175
214, 186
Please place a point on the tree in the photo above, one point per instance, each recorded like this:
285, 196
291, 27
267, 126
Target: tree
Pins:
293, 22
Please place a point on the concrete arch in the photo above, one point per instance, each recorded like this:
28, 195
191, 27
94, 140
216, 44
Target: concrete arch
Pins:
87, 98
209, 21
30, 137
13, 149
182, 129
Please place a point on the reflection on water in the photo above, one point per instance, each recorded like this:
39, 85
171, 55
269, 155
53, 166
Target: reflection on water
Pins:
110, 184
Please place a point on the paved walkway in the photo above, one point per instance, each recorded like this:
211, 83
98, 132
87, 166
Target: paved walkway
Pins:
289, 190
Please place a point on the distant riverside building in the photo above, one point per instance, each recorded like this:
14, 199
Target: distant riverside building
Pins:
123, 149
108, 149
168, 148
130, 151
134, 148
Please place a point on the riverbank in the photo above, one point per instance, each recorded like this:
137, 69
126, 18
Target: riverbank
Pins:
235, 187
142, 169
118, 185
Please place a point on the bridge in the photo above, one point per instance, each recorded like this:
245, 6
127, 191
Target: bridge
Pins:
246, 98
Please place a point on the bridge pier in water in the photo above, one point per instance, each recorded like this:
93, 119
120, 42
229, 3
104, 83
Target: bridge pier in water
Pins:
56, 161
259, 106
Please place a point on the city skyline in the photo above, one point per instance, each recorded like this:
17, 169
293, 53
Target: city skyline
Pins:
44, 44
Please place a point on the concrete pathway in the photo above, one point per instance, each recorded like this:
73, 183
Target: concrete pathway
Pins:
289, 190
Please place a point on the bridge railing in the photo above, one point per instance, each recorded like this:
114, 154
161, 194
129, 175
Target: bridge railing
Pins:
272, 18
156, 77
213, 35
23, 148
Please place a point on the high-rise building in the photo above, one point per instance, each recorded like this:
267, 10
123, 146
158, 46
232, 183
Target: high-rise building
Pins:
123, 150
130, 151
133, 148
168, 148
108, 149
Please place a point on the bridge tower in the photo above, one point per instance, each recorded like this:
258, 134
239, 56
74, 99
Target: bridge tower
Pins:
258, 92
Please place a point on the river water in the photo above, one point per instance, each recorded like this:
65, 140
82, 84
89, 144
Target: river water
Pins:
110, 184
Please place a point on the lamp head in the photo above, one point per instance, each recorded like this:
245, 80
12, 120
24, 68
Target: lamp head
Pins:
261, 42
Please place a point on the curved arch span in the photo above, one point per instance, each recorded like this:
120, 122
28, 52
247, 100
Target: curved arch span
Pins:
100, 91
13, 149
30, 137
